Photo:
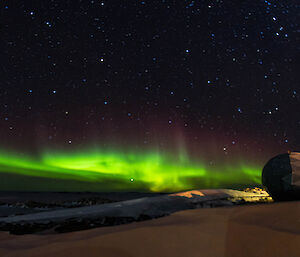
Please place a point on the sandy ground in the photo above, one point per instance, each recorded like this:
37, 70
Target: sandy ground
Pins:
258, 230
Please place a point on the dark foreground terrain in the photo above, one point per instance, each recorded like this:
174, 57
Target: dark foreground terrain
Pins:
268, 230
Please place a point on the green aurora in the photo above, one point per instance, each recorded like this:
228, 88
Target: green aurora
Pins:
129, 171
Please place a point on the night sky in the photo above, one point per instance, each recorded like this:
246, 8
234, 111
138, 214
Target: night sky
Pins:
210, 82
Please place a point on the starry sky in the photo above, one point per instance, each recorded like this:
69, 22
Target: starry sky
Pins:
209, 80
